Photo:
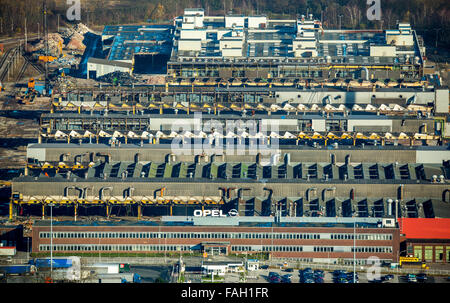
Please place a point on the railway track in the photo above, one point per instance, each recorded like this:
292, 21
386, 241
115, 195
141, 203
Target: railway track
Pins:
36, 66
22, 70
7, 61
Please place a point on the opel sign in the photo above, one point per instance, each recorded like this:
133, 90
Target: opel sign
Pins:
214, 213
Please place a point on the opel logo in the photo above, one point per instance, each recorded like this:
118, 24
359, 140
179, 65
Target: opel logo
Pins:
233, 213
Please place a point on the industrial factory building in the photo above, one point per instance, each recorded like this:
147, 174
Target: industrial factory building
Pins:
426, 240
152, 180
313, 144
255, 49
144, 49
99, 67
315, 240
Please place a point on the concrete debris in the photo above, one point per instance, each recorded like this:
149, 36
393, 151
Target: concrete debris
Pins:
118, 78
76, 42
75, 37
155, 80
53, 40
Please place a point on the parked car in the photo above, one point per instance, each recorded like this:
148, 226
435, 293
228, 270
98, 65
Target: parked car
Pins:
289, 270
275, 280
341, 280
286, 279
319, 273
264, 267
318, 279
271, 274
422, 277
411, 278
338, 272
388, 277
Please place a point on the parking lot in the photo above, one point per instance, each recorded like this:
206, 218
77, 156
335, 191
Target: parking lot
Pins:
298, 276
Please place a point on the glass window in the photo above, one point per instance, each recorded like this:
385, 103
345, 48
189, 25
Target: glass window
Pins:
439, 253
418, 252
428, 253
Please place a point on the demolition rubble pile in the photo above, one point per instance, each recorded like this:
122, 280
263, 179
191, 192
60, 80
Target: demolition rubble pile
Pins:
75, 37
53, 40
71, 38
117, 78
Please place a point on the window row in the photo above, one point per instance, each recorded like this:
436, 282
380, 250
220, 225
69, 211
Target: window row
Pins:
235, 248
361, 237
127, 248
373, 249
209, 235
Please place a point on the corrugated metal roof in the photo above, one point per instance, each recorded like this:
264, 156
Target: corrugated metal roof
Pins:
109, 62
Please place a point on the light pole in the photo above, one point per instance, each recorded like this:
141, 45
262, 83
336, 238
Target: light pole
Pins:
51, 240
340, 21
354, 250
437, 31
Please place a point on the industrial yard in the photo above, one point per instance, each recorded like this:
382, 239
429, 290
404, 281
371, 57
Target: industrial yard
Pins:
222, 139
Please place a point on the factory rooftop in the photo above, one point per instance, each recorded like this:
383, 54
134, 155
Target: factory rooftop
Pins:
257, 37
254, 221
285, 171
124, 41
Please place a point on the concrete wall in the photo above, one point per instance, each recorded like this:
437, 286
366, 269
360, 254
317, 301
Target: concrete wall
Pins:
374, 124
232, 52
234, 20
37, 153
318, 125
193, 34
255, 21
190, 45
383, 51
437, 157
103, 69
442, 101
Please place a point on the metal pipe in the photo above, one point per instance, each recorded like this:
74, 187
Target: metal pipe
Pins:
240, 190
103, 189
314, 189
333, 189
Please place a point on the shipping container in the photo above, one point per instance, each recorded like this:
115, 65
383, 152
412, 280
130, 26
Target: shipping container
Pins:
125, 277
57, 263
124, 267
17, 269
7, 251
107, 268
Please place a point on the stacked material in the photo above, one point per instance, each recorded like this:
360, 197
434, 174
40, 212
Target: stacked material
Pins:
117, 78
75, 37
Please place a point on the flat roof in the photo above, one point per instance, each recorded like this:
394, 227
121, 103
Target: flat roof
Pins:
137, 39
421, 228
253, 221
109, 62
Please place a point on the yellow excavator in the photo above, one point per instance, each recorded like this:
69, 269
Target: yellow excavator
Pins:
51, 58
